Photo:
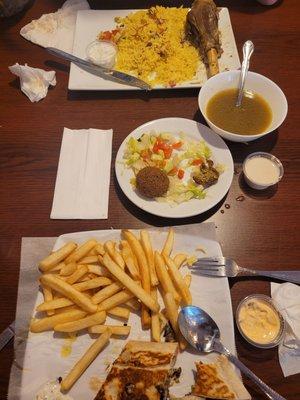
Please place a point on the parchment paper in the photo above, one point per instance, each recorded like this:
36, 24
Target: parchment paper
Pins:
38, 356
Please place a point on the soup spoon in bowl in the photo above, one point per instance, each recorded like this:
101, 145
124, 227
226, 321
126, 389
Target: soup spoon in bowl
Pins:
248, 49
201, 331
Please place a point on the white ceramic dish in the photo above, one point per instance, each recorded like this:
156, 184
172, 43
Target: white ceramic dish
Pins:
195, 131
43, 360
254, 82
90, 22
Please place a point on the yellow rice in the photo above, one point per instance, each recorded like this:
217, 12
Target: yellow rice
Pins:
153, 47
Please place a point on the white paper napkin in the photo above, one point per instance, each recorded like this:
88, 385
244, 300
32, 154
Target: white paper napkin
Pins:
83, 175
287, 299
55, 29
34, 81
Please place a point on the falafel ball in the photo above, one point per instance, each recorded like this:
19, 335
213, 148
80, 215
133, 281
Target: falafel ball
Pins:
152, 182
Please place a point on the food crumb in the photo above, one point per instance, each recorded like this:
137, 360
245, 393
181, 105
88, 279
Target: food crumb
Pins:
95, 383
199, 248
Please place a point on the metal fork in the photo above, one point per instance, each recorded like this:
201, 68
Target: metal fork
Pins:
222, 266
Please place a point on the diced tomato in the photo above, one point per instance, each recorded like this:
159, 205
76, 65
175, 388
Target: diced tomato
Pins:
106, 35
167, 152
180, 173
177, 145
156, 146
160, 145
145, 154
197, 161
173, 171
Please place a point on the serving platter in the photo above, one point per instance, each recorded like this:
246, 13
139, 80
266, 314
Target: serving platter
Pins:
43, 360
90, 22
192, 130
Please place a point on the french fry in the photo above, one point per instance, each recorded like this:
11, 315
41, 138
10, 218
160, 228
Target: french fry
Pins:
144, 272
81, 251
179, 259
48, 323
187, 280
120, 312
92, 283
172, 313
134, 304
51, 305
90, 260
107, 292
167, 249
130, 284
48, 296
92, 252
178, 281
56, 269
57, 256
68, 291
155, 324
78, 325
164, 277
68, 269
98, 270
79, 273
146, 244
115, 300
99, 249
110, 247
129, 260
66, 309
85, 360
117, 330
163, 321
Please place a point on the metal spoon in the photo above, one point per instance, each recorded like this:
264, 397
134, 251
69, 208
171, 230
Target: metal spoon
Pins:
201, 331
248, 49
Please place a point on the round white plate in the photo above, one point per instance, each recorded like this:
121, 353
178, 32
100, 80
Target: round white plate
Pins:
192, 130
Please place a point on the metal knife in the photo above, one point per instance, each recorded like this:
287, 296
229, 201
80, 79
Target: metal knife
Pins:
7, 335
104, 73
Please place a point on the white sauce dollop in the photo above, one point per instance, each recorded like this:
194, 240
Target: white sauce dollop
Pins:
102, 53
262, 170
51, 391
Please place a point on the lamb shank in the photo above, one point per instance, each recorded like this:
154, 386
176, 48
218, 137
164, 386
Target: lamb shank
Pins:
202, 28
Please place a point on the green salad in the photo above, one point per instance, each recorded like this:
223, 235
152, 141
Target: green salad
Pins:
179, 157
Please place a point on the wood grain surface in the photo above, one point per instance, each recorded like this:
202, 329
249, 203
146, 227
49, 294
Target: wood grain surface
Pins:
260, 232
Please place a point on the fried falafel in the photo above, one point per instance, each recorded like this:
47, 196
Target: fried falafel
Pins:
152, 182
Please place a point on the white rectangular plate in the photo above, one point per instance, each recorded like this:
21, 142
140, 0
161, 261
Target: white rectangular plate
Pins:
43, 361
90, 22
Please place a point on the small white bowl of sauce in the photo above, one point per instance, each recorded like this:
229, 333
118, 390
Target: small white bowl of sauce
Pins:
102, 52
264, 106
259, 321
262, 170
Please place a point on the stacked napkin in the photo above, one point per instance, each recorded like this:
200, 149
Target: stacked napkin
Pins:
83, 176
287, 299
56, 29
34, 81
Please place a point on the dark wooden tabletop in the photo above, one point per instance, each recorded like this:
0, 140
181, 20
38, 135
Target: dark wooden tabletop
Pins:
261, 231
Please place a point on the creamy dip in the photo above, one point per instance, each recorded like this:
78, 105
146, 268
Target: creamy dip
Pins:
102, 53
51, 391
259, 321
262, 170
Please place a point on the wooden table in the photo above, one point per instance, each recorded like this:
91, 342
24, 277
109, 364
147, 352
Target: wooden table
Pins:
260, 232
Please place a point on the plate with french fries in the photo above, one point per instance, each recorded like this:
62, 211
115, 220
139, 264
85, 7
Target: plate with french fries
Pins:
99, 289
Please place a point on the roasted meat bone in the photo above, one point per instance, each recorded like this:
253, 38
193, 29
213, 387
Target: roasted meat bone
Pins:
202, 28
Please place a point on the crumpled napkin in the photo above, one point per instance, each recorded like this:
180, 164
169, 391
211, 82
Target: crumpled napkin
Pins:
55, 29
34, 81
83, 175
287, 299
